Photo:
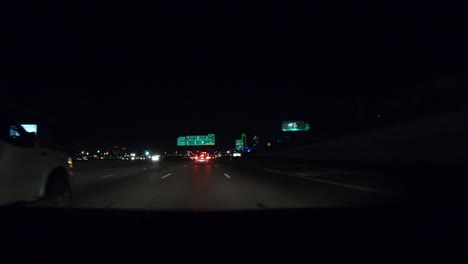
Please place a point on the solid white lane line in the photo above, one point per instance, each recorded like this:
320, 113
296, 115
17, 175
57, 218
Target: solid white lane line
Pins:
165, 176
340, 184
107, 176
143, 168
309, 174
360, 188
313, 174
272, 170
216, 165
185, 166
227, 176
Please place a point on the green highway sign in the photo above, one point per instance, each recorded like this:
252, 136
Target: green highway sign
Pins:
291, 126
181, 141
200, 140
239, 144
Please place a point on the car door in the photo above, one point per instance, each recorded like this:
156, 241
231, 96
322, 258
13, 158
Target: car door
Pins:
18, 154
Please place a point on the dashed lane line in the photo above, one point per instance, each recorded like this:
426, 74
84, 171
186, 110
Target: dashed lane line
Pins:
165, 176
107, 176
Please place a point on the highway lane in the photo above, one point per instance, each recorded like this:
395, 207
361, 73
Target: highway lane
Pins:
97, 172
223, 185
244, 184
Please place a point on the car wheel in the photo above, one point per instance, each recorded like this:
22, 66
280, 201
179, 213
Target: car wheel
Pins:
58, 190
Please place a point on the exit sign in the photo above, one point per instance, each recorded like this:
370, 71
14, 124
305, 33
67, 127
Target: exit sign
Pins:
198, 140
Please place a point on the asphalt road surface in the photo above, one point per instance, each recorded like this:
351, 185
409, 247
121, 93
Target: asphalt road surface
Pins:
249, 184
230, 185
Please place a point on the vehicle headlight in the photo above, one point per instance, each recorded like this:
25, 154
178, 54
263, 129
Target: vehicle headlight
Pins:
155, 158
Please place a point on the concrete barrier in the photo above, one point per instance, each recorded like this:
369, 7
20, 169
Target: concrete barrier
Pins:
438, 139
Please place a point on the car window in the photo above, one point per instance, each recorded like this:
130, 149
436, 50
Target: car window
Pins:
8, 129
15, 134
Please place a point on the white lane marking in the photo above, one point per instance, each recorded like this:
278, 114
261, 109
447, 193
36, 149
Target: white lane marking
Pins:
318, 174
216, 166
309, 174
272, 170
143, 168
185, 166
338, 172
340, 184
165, 176
107, 176
227, 176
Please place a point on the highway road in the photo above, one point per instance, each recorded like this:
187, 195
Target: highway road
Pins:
229, 185
250, 186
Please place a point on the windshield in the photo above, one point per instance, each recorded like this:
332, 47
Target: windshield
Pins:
164, 109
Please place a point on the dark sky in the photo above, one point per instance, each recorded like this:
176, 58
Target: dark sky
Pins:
136, 72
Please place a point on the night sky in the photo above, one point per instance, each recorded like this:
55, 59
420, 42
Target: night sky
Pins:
129, 72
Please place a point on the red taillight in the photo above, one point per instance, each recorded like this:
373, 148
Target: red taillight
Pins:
196, 157
208, 157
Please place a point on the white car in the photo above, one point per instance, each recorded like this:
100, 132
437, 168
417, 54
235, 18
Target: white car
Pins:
29, 172
203, 158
